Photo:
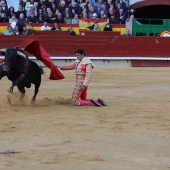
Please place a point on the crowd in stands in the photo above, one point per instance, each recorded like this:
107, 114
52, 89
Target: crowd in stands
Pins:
60, 11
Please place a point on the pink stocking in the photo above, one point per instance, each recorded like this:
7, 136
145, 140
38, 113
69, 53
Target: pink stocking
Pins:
86, 103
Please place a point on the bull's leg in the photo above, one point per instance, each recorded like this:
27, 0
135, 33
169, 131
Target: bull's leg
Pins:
22, 90
35, 94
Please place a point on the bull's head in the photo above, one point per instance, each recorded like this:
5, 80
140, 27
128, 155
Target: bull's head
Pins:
11, 55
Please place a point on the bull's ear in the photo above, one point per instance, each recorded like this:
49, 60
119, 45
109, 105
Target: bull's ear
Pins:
21, 54
3, 51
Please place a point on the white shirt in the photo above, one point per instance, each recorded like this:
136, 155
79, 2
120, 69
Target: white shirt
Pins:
45, 28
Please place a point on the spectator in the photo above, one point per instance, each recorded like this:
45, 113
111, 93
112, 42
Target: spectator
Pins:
47, 11
30, 30
118, 6
50, 18
103, 8
56, 27
40, 18
108, 27
84, 16
16, 30
56, 13
20, 10
132, 18
88, 6
32, 18
5, 2
54, 7
67, 19
105, 16
122, 5
112, 11
109, 4
40, 12
72, 13
4, 7
45, 27
25, 30
41, 3
127, 33
21, 22
75, 20
98, 5
62, 7
94, 18
56, 2
71, 31
80, 9
96, 27
13, 21
59, 18
3, 18
73, 3
36, 8
73, 7
121, 16
29, 11
44, 8
28, 4
11, 11
101, 15
91, 12
112, 19
49, 3
23, 4
66, 12
9, 31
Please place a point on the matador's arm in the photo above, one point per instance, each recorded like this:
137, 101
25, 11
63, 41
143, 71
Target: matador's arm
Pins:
70, 67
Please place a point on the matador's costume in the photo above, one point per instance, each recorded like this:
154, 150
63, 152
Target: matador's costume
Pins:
83, 70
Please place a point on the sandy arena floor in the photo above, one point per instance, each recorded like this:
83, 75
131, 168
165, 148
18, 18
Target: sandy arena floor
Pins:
131, 133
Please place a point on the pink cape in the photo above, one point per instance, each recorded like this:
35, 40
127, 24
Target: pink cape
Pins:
36, 49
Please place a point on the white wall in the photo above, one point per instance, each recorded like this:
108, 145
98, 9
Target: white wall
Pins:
14, 3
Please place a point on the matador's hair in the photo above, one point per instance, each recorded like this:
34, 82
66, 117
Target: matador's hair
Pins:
80, 51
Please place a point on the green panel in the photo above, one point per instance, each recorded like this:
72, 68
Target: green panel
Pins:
150, 26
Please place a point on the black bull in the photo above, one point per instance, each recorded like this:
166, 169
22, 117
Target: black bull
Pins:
21, 71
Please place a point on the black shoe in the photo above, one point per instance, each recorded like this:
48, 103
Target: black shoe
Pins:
101, 102
95, 103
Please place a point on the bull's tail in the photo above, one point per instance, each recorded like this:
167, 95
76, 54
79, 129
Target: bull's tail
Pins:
41, 70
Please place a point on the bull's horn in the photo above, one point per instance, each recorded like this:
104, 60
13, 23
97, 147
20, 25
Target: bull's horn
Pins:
21, 54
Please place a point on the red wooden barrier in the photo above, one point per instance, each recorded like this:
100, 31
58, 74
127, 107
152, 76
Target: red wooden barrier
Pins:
150, 63
62, 33
98, 33
95, 46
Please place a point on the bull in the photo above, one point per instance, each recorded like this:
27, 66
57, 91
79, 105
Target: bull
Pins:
21, 71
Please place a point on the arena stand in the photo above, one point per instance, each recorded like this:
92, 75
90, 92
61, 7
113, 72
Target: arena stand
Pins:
105, 48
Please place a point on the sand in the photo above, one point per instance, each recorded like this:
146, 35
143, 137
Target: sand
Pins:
131, 133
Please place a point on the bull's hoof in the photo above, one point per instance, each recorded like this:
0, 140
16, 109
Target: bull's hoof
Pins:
22, 96
33, 101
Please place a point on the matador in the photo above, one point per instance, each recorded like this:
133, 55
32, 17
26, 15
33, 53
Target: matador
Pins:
83, 69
